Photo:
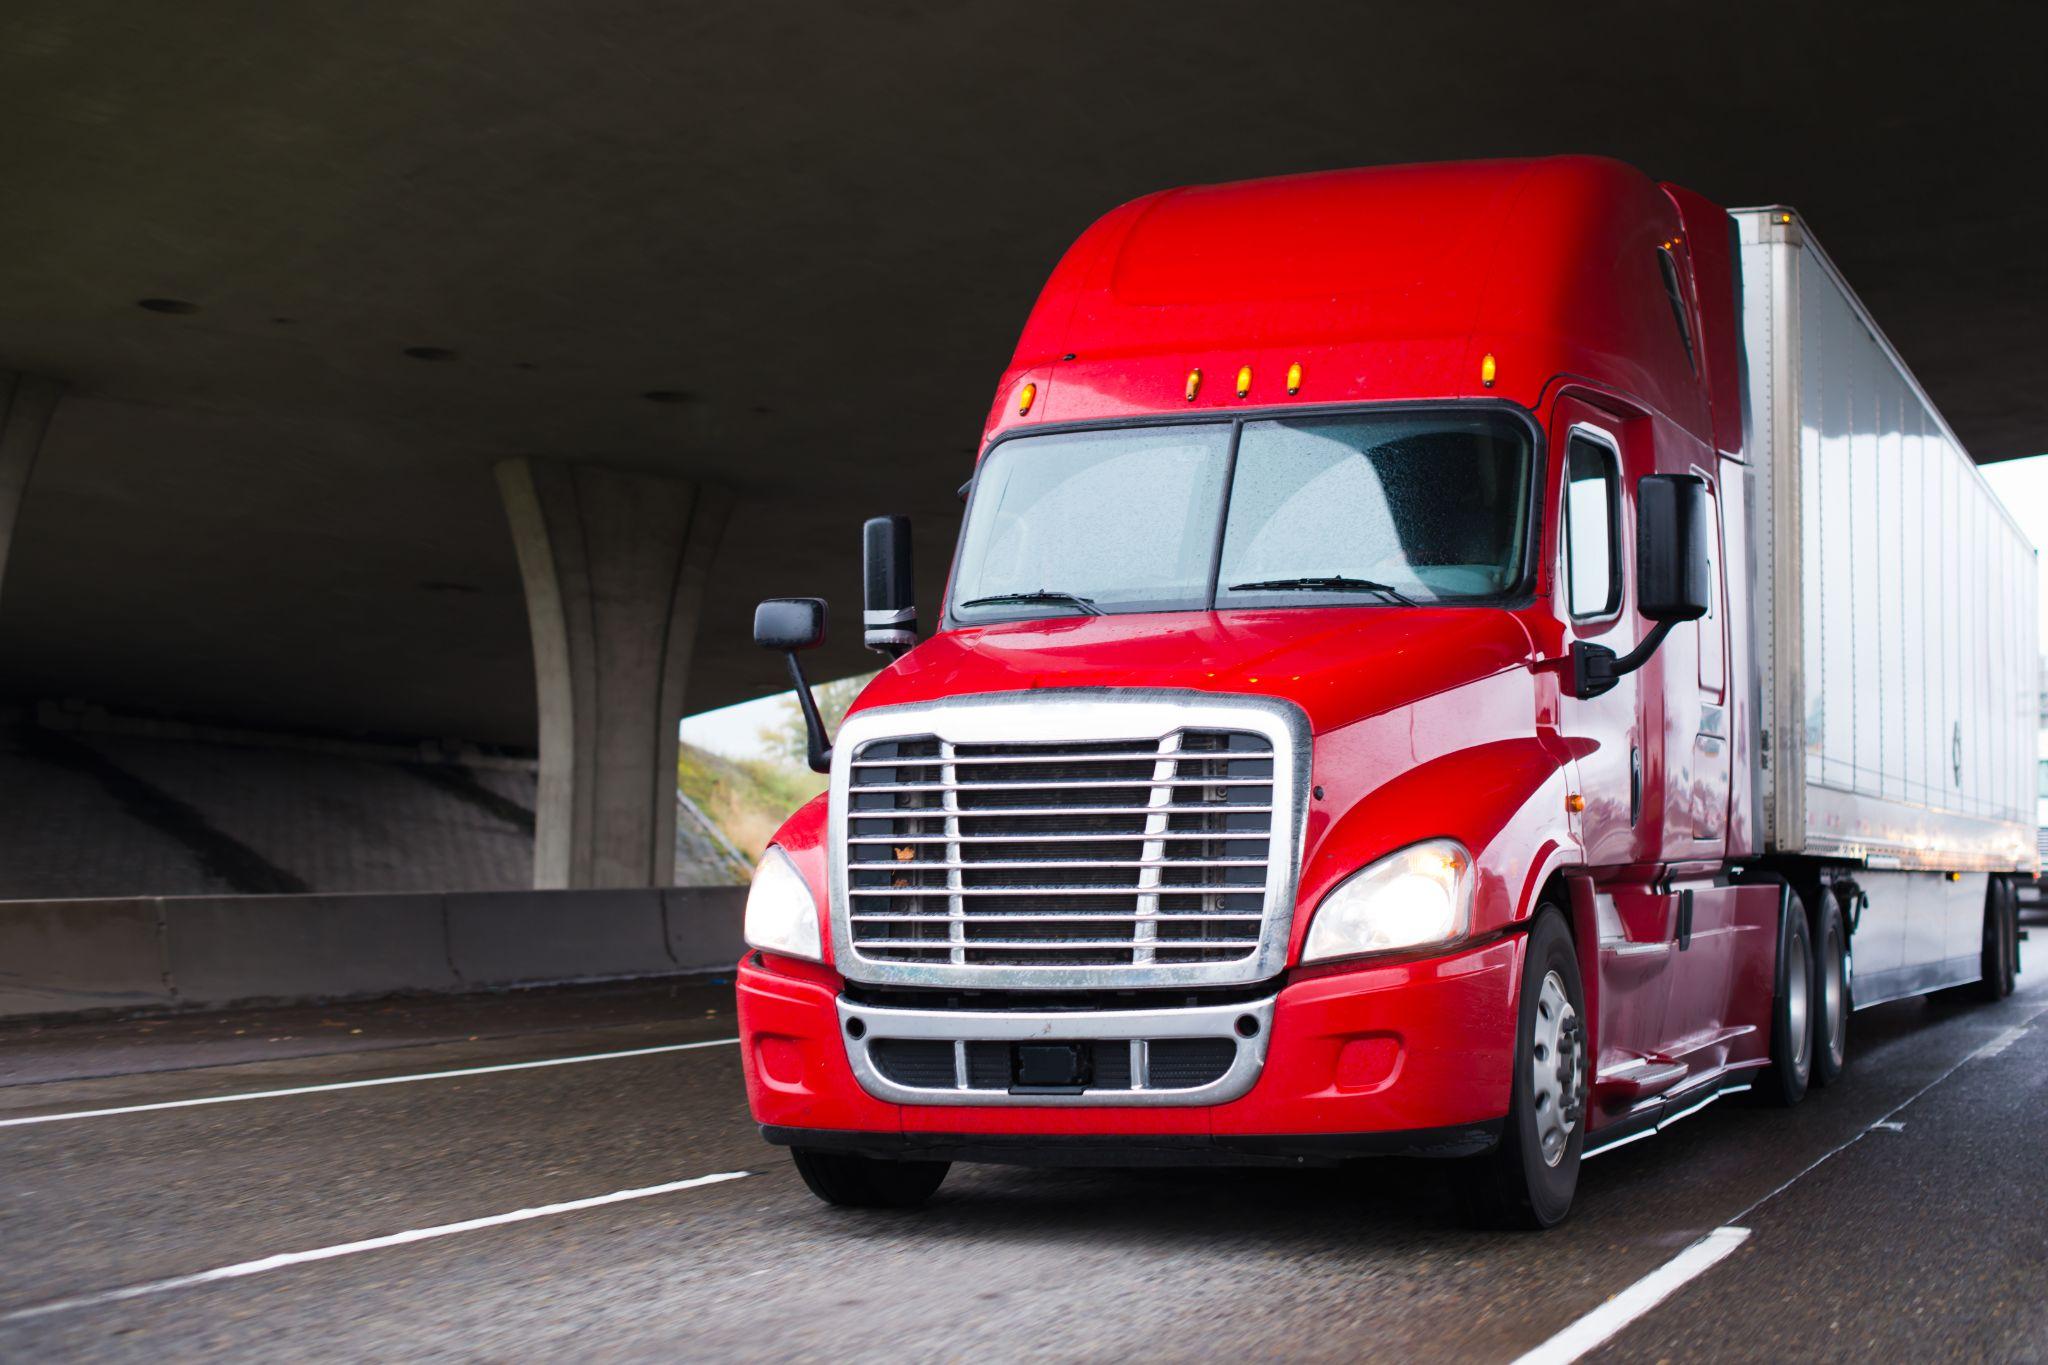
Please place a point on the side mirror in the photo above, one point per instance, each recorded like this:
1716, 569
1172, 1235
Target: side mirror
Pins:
789, 624
889, 593
1671, 547
1673, 577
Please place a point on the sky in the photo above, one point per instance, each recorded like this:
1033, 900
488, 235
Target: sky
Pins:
2022, 485
734, 731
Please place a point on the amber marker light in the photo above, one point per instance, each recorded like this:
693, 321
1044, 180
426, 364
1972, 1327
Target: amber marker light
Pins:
1194, 383
1026, 396
1244, 380
1487, 369
1575, 803
1294, 378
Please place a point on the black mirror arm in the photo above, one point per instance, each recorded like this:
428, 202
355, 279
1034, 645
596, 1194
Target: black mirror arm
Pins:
817, 743
1596, 668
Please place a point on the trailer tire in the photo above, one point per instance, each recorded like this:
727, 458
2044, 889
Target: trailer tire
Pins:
1528, 1179
1831, 999
865, 1182
2001, 944
1783, 1083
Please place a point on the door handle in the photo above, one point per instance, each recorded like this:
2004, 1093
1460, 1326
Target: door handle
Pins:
1635, 784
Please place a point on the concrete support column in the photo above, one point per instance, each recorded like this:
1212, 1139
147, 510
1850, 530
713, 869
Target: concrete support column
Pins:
614, 565
26, 402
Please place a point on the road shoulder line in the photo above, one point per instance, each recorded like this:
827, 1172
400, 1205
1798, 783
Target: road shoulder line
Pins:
492, 1069
264, 1265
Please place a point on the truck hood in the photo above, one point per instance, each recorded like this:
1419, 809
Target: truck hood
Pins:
1339, 664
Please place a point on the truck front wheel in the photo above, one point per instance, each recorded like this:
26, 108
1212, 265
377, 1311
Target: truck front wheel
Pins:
865, 1182
1528, 1180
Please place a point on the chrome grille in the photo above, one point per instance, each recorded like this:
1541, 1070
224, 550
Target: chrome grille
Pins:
1067, 838
1094, 854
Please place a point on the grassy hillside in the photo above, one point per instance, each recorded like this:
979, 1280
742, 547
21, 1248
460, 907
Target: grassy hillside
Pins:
746, 798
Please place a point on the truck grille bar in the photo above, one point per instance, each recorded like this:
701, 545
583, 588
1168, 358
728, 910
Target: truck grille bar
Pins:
1121, 860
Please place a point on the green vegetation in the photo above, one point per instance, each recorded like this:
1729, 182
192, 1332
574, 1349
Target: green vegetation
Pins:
786, 738
746, 798
749, 798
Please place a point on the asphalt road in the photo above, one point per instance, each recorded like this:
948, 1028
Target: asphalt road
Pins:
1926, 1237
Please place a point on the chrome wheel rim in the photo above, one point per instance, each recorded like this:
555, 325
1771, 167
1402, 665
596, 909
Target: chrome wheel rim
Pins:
1557, 1076
1798, 1003
1834, 1003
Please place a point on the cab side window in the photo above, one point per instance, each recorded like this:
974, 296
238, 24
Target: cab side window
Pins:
1592, 528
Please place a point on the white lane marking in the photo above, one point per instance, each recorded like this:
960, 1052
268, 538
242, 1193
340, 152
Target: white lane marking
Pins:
360, 1085
2002, 1041
1636, 1300
1625, 1307
267, 1264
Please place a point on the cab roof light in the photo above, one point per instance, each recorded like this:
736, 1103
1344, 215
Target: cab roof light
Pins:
1294, 378
1026, 396
1244, 381
1487, 369
1194, 383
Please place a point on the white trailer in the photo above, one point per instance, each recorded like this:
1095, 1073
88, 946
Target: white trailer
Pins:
1895, 643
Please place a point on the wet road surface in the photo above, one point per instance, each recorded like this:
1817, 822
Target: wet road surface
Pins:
1903, 1212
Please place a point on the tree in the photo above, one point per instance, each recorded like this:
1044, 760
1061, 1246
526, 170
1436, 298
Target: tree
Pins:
785, 738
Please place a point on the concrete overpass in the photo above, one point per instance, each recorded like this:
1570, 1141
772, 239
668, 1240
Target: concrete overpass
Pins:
362, 357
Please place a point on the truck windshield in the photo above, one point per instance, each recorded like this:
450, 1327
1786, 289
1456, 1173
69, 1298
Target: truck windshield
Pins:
1394, 509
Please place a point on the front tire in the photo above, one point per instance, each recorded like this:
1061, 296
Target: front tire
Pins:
1528, 1180
865, 1182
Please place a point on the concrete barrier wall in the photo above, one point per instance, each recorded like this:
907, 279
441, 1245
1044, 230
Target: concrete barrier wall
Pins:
233, 948
67, 957
58, 958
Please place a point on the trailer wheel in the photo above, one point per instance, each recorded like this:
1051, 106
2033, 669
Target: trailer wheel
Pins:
1528, 1179
1831, 998
2000, 943
865, 1182
1784, 1082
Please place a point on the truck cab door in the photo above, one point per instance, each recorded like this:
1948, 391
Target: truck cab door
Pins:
1593, 571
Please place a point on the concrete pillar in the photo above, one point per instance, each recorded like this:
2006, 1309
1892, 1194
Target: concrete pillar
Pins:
614, 565
26, 402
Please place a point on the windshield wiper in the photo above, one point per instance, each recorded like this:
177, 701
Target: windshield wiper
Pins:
1327, 583
1085, 604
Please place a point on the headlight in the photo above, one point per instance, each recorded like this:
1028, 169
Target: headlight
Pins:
1417, 898
781, 916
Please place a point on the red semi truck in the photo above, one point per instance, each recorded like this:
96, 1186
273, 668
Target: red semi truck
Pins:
1472, 661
